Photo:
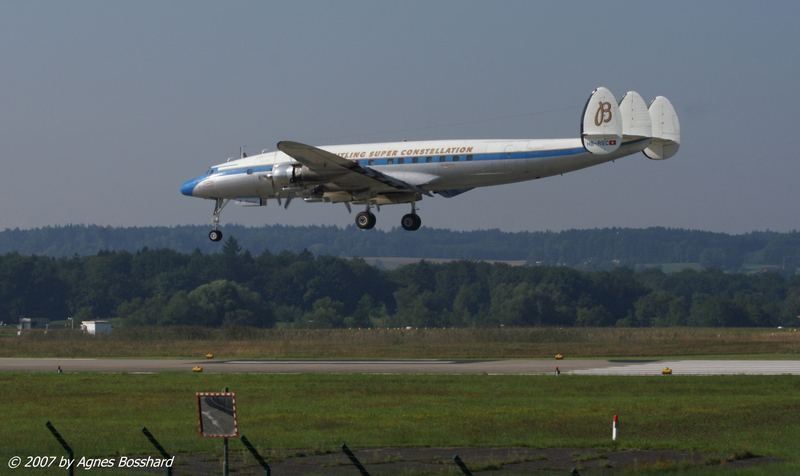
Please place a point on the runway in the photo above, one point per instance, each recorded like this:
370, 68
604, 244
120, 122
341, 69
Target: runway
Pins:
442, 367
500, 367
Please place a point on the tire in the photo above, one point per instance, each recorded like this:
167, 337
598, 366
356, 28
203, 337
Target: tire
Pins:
411, 222
215, 235
365, 220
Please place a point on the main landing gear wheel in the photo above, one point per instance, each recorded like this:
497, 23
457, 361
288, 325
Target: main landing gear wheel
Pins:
411, 222
366, 220
215, 235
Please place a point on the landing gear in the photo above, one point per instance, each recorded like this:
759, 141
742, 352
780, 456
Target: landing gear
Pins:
366, 220
215, 234
411, 221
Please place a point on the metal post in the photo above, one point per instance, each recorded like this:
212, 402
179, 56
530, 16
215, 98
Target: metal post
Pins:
354, 460
225, 451
158, 447
225, 457
67, 448
253, 451
461, 465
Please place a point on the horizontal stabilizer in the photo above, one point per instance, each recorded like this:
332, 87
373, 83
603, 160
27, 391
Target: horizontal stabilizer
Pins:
601, 127
666, 130
635, 116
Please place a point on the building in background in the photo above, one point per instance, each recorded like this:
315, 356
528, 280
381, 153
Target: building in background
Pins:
32, 323
96, 327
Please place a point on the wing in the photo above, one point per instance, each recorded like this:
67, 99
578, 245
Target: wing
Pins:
352, 176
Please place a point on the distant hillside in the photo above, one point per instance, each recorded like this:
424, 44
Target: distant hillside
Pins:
669, 249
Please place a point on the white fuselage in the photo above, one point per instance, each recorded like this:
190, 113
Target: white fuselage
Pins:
444, 166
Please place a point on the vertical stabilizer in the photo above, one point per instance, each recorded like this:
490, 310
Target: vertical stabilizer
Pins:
636, 121
666, 130
601, 127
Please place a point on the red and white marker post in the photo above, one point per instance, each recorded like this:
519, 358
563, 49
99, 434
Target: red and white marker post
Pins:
614, 426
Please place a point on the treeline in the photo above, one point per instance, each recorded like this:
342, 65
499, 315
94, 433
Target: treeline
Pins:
234, 287
596, 249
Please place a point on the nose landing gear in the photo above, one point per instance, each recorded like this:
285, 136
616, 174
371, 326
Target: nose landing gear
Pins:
215, 234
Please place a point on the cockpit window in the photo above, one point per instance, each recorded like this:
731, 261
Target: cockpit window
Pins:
210, 171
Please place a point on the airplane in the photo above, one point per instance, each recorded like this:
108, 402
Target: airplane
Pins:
404, 172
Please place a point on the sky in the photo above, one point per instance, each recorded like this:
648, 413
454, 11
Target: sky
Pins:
106, 107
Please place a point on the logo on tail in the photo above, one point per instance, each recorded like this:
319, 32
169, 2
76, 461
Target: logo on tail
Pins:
603, 113
601, 127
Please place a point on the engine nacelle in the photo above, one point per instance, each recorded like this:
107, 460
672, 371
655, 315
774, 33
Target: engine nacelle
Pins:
286, 175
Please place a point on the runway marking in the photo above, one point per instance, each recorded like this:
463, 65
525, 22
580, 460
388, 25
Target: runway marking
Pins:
44, 359
701, 367
336, 362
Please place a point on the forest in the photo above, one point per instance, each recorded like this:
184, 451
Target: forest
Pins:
234, 287
591, 249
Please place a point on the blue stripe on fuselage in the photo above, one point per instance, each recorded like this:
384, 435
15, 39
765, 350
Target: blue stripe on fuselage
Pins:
243, 170
528, 154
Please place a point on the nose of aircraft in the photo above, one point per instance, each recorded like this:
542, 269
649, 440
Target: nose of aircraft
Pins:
188, 187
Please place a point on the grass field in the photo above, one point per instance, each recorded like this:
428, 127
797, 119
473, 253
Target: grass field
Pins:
412, 343
102, 414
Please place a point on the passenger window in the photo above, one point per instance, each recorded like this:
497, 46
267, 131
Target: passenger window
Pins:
469, 157
401, 160
413, 160
428, 159
389, 161
441, 158
249, 171
370, 162
455, 158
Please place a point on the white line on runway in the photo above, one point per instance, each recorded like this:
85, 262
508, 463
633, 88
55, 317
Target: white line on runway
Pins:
336, 362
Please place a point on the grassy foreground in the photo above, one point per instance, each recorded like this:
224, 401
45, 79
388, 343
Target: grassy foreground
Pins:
406, 343
102, 414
